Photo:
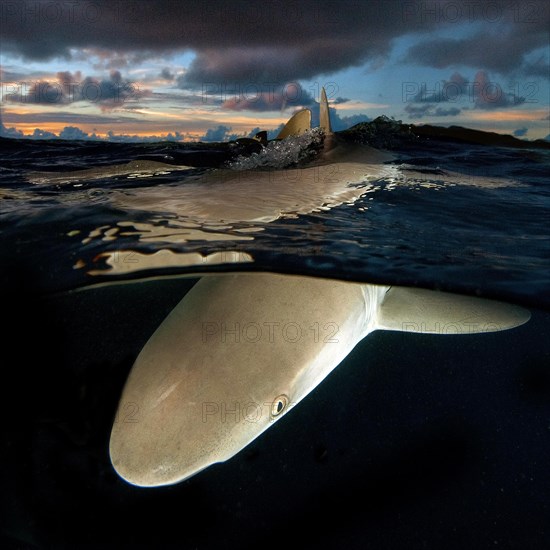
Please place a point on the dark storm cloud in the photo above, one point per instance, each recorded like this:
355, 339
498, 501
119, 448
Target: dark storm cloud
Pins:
277, 41
497, 52
270, 65
509, 33
539, 68
42, 29
166, 74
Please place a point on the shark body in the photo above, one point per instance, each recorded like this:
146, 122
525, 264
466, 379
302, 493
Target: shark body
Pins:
239, 351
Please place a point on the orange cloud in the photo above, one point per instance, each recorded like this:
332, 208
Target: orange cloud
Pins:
500, 116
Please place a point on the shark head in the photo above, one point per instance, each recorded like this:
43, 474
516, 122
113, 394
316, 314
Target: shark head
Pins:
228, 362
182, 415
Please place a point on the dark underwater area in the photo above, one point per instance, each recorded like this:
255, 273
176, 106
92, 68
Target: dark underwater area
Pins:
414, 441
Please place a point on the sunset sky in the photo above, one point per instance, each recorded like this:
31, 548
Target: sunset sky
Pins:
218, 70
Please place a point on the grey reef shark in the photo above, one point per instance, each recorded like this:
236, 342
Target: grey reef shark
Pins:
259, 343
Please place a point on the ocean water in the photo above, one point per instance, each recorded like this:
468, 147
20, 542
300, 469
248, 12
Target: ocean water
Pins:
465, 218
413, 440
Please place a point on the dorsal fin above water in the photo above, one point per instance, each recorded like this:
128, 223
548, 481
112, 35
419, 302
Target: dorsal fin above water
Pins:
261, 137
432, 312
324, 114
297, 124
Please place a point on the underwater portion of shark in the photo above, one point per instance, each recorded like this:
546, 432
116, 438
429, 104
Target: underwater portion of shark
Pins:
240, 350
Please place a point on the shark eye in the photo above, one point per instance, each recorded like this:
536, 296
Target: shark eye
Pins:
279, 405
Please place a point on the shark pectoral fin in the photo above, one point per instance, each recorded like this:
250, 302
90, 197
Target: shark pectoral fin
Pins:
433, 312
297, 124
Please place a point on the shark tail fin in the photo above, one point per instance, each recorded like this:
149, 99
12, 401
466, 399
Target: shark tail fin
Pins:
297, 124
432, 312
324, 114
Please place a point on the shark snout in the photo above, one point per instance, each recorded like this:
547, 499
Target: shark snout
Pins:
165, 441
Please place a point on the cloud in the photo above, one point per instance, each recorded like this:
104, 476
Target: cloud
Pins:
520, 132
103, 59
220, 133
8, 75
272, 133
489, 94
540, 68
166, 74
72, 132
42, 134
252, 98
54, 29
500, 46
338, 122
428, 109
68, 133
452, 111
10, 132
63, 117
127, 138
418, 111
68, 88
450, 90
272, 65
279, 42
481, 93
343, 123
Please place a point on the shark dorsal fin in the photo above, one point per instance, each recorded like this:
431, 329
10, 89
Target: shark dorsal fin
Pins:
324, 115
297, 124
261, 137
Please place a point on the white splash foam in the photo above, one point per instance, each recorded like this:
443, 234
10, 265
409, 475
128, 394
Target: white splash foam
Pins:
282, 153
